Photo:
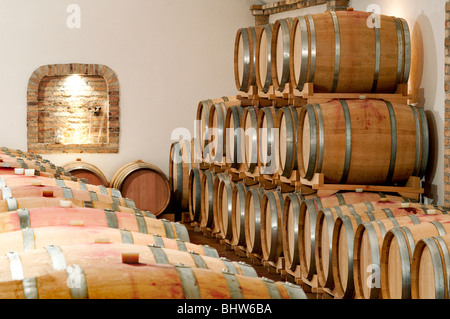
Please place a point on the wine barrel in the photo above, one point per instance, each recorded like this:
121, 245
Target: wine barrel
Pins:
87, 171
217, 203
21, 191
287, 122
326, 220
144, 183
343, 245
19, 152
216, 126
338, 138
15, 180
202, 123
145, 281
268, 139
271, 225
32, 238
238, 214
368, 240
252, 219
41, 261
430, 268
280, 53
41, 168
225, 208
308, 218
233, 137
290, 229
244, 57
250, 124
263, 65
12, 204
216, 131
32, 170
323, 52
62, 216
195, 191
181, 161
207, 199
396, 255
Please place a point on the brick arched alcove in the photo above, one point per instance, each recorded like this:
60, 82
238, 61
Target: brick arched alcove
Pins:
73, 108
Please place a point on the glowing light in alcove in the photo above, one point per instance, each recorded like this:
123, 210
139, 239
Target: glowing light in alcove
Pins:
78, 130
74, 85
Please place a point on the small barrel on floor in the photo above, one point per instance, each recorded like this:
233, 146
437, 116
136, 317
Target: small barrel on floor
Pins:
88, 171
144, 183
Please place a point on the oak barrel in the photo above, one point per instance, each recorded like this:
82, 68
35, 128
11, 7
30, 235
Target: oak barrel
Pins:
397, 253
13, 203
430, 268
62, 216
207, 199
88, 171
16, 180
32, 238
343, 248
252, 219
144, 183
309, 209
368, 242
245, 57
287, 123
350, 51
202, 123
271, 225
216, 131
290, 229
337, 139
21, 191
43, 260
225, 208
233, 137
251, 145
146, 281
181, 161
373, 210
263, 65
41, 168
280, 53
218, 204
268, 139
238, 214
195, 191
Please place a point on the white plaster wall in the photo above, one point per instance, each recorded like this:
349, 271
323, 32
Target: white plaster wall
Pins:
168, 56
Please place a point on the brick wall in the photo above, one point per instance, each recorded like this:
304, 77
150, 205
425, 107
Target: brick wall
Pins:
262, 12
73, 108
447, 107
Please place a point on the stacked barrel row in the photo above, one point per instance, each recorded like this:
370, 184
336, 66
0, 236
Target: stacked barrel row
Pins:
221, 172
365, 249
333, 242
64, 238
336, 51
